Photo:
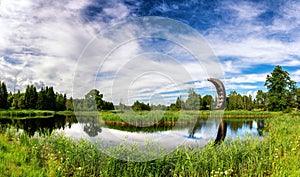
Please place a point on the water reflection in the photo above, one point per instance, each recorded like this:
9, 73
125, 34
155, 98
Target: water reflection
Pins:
91, 125
93, 128
197, 127
222, 130
41, 126
236, 128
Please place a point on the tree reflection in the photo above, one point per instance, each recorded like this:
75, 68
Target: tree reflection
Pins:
222, 130
201, 123
41, 126
91, 124
260, 127
197, 127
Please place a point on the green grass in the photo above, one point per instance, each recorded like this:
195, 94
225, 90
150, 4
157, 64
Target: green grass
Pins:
277, 154
161, 118
15, 158
25, 113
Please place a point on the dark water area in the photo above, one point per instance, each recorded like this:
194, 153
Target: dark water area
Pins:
91, 127
41, 126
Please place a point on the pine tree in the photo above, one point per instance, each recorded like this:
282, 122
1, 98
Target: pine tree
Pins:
42, 100
3, 96
31, 97
50, 97
281, 89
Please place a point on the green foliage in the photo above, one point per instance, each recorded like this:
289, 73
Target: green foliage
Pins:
50, 98
281, 89
235, 101
3, 96
18, 100
140, 106
206, 102
297, 104
46, 99
193, 101
31, 97
277, 154
92, 101
261, 100
69, 104
282, 95
10, 99
60, 103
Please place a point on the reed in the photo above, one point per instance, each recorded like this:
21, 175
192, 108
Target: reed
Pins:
277, 154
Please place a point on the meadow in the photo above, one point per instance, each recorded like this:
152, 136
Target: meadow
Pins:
25, 113
277, 154
171, 118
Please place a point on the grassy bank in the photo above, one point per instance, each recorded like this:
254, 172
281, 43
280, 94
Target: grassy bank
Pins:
25, 113
145, 115
278, 154
170, 118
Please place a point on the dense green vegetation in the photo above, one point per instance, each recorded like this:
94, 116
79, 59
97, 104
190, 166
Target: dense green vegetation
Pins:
282, 95
3, 96
162, 118
277, 154
22, 113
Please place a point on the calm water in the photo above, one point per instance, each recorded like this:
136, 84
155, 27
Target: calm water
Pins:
90, 128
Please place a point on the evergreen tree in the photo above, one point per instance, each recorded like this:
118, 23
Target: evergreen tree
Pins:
3, 96
281, 89
60, 104
42, 100
51, 98
31, 97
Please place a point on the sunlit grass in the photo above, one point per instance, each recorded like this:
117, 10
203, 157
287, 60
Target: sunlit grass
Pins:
277, 154
25, 113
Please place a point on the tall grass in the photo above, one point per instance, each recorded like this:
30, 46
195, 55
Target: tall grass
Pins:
25, 113
277, 154
162, 118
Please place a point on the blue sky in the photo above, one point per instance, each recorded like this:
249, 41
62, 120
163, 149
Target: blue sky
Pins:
42, 41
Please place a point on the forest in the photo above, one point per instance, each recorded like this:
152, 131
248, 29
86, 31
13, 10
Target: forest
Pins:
282, 95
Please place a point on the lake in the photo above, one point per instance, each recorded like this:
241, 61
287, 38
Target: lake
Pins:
199, 133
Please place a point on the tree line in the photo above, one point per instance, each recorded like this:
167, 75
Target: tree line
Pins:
281, 95
45, 99
48, 99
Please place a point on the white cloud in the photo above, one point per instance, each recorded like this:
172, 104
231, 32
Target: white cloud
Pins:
251, 43
46, 38
248, 78
246, 10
